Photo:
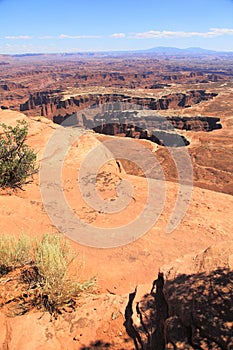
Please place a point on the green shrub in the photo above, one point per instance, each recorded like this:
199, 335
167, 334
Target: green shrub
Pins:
17, 160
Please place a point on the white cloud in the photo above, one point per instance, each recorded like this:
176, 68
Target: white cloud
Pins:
18, 37
65, 36
45, 37
155, 34
19, 47
222, 31
118, 35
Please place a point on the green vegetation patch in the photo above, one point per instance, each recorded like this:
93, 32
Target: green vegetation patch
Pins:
17, 160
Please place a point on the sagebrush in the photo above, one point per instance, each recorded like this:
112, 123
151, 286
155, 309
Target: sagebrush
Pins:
47, 274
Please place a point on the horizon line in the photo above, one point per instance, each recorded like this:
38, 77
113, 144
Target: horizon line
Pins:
116, 50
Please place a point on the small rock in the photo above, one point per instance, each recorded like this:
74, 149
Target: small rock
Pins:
115, 315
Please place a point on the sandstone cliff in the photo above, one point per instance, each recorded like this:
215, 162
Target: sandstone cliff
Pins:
51, 105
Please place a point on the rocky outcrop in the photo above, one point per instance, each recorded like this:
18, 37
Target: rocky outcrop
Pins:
155, 128
189, 309
195, 123
121, 123
95, 316
163, 138
10, 86
51, 105
188, 306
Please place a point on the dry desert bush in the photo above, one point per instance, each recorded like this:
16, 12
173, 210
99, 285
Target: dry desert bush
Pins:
44, 269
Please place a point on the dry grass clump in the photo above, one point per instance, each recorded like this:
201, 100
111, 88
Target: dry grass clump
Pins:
14, 252
44, 274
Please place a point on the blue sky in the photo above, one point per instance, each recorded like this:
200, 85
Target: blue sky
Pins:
92, 25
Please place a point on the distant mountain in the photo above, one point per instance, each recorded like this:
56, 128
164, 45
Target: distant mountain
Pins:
163, 50
199, 50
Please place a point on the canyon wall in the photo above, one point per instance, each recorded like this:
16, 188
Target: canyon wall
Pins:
121, 122
51, 105
155, 128
117, 118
